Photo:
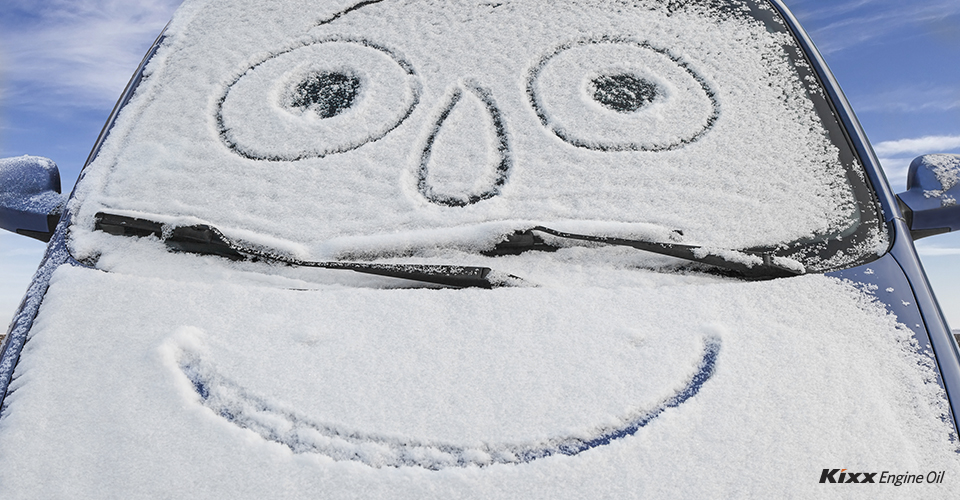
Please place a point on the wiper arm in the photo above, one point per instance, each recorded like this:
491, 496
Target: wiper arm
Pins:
208, 240
749, 263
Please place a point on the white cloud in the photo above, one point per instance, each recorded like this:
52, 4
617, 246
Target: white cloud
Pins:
895, 156
896, 171
937, 251
926, 97
861, 21
921, 145
75, 52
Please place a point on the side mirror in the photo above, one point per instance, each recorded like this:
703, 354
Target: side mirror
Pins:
930, 202
30, 199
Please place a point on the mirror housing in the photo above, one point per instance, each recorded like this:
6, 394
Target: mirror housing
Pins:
30, 198
930, 203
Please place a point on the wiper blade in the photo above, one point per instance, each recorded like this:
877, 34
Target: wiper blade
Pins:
749, 263
208, 240
519, 242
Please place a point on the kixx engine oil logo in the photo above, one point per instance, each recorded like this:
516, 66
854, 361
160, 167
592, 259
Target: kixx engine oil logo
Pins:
884, 477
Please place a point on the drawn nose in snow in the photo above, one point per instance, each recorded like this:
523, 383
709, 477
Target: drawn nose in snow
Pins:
466, 158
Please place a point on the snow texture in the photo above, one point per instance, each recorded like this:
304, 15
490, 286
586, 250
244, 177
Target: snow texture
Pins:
332, 384
946, 169
469, 113
157, 374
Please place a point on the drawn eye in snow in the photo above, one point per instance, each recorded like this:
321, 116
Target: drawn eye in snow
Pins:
317, 99
614, 94
467, 155
623, 92
327, 94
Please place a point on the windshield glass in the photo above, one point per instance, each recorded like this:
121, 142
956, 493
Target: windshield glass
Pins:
343, 127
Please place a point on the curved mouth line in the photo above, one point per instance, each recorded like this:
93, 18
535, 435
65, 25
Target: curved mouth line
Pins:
302, 435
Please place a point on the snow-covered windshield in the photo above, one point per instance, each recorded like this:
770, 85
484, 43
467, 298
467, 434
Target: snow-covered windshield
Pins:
325, 126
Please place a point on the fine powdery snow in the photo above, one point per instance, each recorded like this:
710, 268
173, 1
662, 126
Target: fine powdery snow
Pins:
423, 132
313, 122
701, 387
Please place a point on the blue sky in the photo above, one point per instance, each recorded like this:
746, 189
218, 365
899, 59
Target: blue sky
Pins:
64, 62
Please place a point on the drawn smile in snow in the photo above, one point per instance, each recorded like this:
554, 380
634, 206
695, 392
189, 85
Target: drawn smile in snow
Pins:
396, 389
310, 434
463, 141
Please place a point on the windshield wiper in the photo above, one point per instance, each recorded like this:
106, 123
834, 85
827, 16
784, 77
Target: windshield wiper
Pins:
208, 240
748, 263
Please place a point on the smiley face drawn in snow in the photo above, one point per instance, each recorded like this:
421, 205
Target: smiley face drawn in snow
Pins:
577, 114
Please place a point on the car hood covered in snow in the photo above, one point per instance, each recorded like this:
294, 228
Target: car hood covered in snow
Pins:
149, 385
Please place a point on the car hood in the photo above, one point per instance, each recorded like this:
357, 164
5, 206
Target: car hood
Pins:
198, 389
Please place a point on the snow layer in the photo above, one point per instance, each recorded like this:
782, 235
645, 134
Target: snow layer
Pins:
174, 375
467, 113
946, 169
104, 400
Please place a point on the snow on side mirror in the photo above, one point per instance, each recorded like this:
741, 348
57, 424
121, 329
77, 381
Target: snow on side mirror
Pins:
30, 198
930, 202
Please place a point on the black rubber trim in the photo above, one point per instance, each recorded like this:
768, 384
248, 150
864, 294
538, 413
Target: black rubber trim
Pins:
208, 240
